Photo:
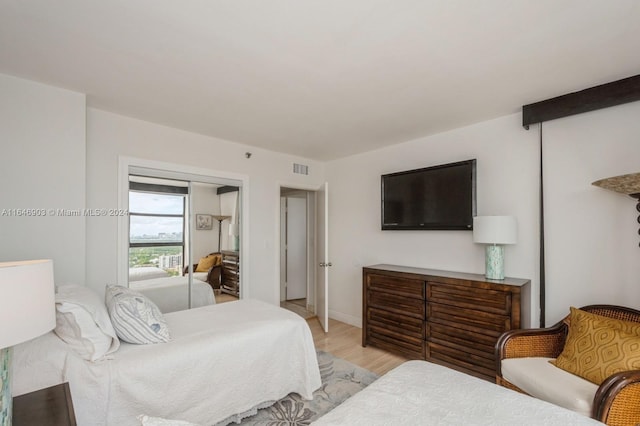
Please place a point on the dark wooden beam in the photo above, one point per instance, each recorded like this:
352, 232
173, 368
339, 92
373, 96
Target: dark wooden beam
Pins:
152, 187
225, 189
603, 96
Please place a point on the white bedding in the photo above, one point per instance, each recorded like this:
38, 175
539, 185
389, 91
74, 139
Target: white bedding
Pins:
146, 273
419, 392
171, 293
223, 359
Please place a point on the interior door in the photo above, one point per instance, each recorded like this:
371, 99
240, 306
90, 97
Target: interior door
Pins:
322, 270
283, 248
296, 246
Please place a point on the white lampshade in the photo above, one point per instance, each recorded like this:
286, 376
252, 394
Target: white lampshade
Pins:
27, 301
494, 229
233, 229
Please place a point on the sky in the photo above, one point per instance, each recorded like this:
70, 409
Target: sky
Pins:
145, 202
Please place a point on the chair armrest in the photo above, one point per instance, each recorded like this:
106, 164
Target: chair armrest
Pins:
617, 401
213, 276
186, 269
535, 342
213, 270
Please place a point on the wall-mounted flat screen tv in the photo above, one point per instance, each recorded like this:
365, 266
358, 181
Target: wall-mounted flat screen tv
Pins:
433, 198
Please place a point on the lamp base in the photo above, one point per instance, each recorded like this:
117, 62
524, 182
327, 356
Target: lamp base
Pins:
494, 262
6, 402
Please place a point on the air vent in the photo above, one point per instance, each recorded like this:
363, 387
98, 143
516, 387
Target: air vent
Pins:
300, 169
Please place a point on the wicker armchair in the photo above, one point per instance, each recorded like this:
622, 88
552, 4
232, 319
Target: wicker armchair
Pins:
213, 274
617, 400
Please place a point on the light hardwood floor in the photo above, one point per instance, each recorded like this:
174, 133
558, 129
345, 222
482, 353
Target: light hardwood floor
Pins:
223, 297
295, 307
345, 341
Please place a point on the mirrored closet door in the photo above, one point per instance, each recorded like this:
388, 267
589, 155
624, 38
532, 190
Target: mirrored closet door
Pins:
183, 240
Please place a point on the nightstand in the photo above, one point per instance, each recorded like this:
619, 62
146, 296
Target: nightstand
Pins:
45, 407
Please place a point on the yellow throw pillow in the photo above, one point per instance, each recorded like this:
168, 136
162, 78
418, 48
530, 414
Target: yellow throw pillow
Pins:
598, 347
205, 263
217, 259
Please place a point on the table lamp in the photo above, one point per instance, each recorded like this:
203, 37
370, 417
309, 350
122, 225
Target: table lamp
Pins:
234, 234
27, 310
494, 231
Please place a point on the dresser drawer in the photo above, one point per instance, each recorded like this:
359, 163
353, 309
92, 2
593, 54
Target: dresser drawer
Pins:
477, 321
397, 323
463, 338
400, 286
464, 361
485, 300
470, 346
398, 304
403, 344
493, 301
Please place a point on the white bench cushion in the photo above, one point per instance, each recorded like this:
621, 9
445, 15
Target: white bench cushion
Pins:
540, 379
202, 276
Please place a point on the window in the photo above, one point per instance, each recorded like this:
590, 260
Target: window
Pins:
157, 226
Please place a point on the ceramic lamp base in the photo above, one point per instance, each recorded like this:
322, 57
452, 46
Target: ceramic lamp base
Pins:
6, 403
494, 262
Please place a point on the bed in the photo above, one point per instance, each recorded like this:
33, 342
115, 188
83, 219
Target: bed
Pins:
222, 363
419, 392
140, 273
171, 293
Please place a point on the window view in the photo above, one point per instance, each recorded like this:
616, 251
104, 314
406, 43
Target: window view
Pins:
156, 230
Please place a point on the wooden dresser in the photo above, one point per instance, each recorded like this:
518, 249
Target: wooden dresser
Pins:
448, 318
230, 280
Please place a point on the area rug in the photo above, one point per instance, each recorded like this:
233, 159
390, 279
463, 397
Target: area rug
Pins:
340, 380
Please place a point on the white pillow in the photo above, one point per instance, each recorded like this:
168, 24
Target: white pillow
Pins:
157, 421
135, 318
83, 323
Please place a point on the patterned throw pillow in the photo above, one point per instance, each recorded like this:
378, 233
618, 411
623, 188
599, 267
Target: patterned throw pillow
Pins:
135, 318
598, 347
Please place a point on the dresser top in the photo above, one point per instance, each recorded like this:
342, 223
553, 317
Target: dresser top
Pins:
518, 282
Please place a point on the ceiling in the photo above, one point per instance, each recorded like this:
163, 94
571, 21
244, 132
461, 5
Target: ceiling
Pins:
319, 79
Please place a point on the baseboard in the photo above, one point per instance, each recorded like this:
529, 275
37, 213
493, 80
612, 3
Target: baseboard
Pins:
346, 318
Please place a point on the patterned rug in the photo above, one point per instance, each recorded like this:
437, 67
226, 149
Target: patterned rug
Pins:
340, 380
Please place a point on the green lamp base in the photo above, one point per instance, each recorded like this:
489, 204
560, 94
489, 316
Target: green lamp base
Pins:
494, 262
6, 403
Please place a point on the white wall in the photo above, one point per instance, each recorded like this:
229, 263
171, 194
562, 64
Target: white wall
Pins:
592, 240
42, 166
591, 234
110, 136
205, 200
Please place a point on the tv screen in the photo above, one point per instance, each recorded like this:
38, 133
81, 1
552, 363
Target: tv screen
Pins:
440, 197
